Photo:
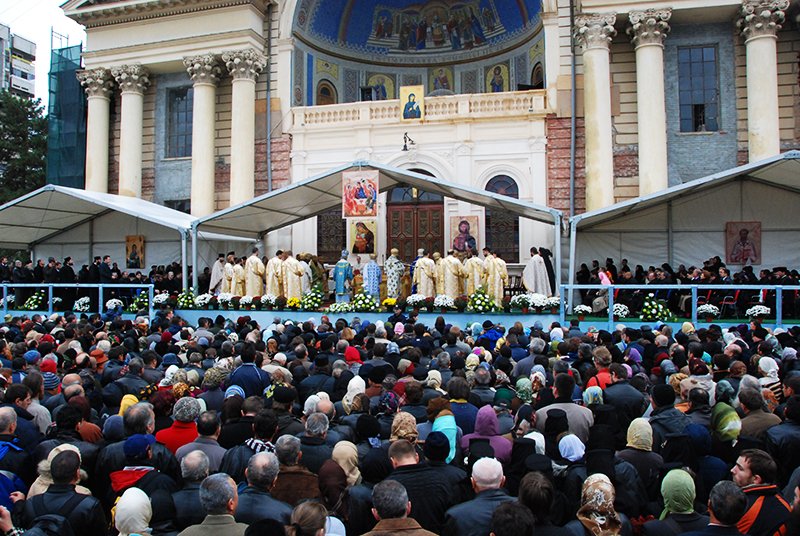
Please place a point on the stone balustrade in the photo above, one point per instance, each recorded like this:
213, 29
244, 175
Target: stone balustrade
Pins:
519, 105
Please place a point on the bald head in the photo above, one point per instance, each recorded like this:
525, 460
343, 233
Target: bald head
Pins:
70, 379
326, 407
487, 473
262, 470
195, 466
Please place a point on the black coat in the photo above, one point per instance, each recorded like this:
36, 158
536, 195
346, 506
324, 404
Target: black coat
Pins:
783, 444
88, 450
629, 402
315, 452
235, 462
675, 524
474, 518
235, 432
86, 518
112, 458
429, 494
255, 505
188, 510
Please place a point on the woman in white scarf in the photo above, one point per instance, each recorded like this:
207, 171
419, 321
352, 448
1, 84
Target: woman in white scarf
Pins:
133, 513
355, 386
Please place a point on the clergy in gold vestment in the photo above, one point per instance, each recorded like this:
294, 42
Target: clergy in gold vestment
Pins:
496, 277
254, 275
275, 274
292, 276
238, 278
424, 275
474, 270
453, 272
439, 276
227, 274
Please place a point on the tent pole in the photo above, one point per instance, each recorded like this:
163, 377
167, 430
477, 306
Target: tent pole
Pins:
572, 248
557, 250
670, 240
184, 258
194, 259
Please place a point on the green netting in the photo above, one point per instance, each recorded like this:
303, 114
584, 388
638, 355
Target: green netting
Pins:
66, 118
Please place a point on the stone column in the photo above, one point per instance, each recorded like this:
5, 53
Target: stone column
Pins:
133, 81
594, 33
244, 66
205, 73
98, 85
759, 23
648, 30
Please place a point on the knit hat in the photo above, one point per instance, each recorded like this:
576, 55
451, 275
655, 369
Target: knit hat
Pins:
186, 409
352, 355
51, 381
663, 395
48, 365
32, 356
436, 447
284, 395
234, 390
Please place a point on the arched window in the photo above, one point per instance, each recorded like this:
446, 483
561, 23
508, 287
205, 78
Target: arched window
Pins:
537, 76
502, 229
326, 93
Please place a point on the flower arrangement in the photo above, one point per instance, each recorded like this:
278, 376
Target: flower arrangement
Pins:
553, 302
583, 309
114, 304
416, 300
653, 309
142, 301
521, 301
293, 303
56, 301
34, 303
364, 303
708, 311
186, 299
339, 307
311, 300
621, 311
443, 301
537, 301
9, 300
758, 311
203, 300
245, 302
82, 305
160, 299
268, 300
280, 302
461, 302
389, 303
480, 302
224, 298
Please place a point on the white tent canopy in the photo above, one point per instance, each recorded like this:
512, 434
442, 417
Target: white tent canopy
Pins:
687, 223
59, 221
317, 194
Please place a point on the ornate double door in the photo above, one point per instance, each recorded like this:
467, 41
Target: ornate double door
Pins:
414, 226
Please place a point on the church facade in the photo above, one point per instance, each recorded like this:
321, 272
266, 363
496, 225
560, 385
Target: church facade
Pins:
204, 104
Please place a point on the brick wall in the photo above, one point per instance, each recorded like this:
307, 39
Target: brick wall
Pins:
558, 148
626, 172
222, 185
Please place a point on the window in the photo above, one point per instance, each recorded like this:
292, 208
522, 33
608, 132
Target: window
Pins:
502, 229
326, 93
179, 122
698, 86
537, 76
182, 205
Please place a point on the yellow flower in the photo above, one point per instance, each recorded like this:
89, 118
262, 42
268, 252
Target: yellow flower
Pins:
389, 302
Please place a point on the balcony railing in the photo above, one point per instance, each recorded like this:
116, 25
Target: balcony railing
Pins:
512, 104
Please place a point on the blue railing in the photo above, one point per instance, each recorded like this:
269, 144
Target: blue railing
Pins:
568, 294
8, 288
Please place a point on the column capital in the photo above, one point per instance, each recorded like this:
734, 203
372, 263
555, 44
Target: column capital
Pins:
203, 69
649, 27
96, 82
244, 64
595, 30
761, 18
133, 78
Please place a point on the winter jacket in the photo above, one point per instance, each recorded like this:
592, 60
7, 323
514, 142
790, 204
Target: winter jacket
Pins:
429, 494
89, 451
487, 427
188, 510
783, 444
580, 419
112, 458
315, 451
629, 402
474, 518
256, 504
767, 512
177, 435
250, 378
85, 518
294, 484
665, 421
156, 485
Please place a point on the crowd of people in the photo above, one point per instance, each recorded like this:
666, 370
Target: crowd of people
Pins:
712, 272
153, 426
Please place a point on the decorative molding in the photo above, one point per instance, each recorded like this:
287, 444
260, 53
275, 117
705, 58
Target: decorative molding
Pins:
649, 27
244, 64
203, 69
761, 18
96, 82
133, 78
595, 30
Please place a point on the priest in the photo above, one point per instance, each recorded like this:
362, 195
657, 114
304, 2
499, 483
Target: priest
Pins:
474, 273
372, 277
453, 272
534, 276
254, 274
425, 276
227, 273
292, 276
496, 276
275, 274
343, 277
394, 272
239, 278
217, 275
439, 275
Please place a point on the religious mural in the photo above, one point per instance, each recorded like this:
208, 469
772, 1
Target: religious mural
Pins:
134, 251
441, 78
463, 233
383, 84
497, 78
412, 100
361, 236
743, 242
359, 194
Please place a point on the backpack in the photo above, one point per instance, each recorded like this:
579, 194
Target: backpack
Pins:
53, 524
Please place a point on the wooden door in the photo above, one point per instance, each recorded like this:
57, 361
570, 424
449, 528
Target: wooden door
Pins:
415, 226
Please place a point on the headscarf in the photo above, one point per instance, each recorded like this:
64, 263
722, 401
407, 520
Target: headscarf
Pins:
640, 435
678, 491
597, 514
725, 422
446, 424
687, 328
133, 513
472, 362
635, 356
571, 448
477, 329
346, 455
127, 401
789, 354
768, 367
592, 395
556, 335
355, 386
525, 390
724, 392
404, 426
538, 381
168, 375
434, 380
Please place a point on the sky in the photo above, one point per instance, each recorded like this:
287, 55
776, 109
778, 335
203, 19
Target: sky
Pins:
33, 19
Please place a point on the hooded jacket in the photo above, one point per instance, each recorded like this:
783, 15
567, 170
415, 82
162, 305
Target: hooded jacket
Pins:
487, 427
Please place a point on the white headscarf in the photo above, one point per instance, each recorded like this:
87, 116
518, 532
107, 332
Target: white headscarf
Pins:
768, 367
355, 386
571, 448
133, 513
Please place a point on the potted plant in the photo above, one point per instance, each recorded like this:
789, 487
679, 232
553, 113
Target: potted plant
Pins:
444, 302
520, 301
389, 304
480, 302
280, 302
538, 301
203, 301
416, 301
708, 311
160, 300
620, 311
245, 302
268, 301
758, 313
461, 303
554, 303
581, 311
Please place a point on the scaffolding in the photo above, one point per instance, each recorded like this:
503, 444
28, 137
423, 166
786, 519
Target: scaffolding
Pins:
66, 120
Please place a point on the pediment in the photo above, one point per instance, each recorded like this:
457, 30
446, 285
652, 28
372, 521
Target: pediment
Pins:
92, 13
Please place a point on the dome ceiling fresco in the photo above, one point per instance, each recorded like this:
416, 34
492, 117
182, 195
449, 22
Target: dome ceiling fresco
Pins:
416, 33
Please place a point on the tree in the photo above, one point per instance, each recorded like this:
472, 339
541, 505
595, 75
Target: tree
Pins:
23, 146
